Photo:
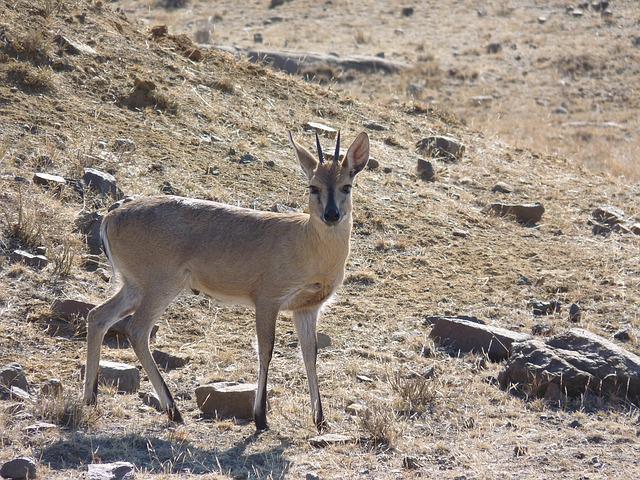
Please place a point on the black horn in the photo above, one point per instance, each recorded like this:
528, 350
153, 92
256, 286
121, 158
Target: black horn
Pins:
336, 156
320, 154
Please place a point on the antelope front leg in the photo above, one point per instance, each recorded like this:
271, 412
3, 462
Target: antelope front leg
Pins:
266, 316
305, 323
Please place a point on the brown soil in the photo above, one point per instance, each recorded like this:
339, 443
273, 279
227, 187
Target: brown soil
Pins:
406, 262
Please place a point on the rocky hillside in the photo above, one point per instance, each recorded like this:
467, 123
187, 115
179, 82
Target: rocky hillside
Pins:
83, 87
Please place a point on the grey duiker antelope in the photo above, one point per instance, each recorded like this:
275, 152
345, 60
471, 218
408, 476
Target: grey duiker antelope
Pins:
271, 261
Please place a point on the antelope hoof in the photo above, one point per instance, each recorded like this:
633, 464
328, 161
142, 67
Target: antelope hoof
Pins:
174, 414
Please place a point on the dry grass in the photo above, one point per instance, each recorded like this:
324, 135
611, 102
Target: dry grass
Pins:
31, 79
21, 228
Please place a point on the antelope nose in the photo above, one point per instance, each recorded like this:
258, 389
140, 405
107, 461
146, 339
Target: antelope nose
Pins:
331, 215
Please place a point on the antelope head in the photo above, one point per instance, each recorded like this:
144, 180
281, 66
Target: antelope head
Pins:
330, 181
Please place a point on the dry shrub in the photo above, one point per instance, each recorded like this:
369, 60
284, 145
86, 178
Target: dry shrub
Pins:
362, 277
415, 395
31, 79
63, 259
224, 85
23, 230
380, 426
66, 411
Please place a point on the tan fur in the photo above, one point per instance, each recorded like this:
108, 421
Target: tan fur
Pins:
272, 261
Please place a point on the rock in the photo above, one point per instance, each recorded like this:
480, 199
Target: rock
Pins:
330, 439
151, 399
124, 145
480, 100
356, 409
323, 340
36, 261
575, 313
110, 471
608, 214
73, 46
119, 203
102, 183
19, 468
407, 11
257, 37
126, 378
466, 336
70, 309
432, 319
373, 164
168, 361
411, 462
520, 451
502, 187
277, 3
425, 169
576, 361
52, 182
561, 111
12, 375
527, 213
52, 387
576, 12
441, 147
248, 158
304, 62
387, 169
635, 41
494, 47
553, 394
39, 427
545, 308
623, 335
364, 378
460, 233
373, 125
88, 224
226, 399
542, 20
17, 393
321, 129
541, 329
311, 476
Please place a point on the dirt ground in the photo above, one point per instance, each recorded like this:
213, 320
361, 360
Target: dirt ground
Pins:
432, 415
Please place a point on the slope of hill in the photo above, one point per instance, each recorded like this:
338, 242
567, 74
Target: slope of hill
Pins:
78, 76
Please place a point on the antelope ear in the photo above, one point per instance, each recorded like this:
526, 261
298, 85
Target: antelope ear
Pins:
307, 161
357, 155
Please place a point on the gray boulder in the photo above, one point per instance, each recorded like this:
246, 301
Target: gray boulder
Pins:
19, 468
110, 471
126, 378
102, 183
526, 213
577, 361
467, 336
442, 147
226, 399
168, 361
12, 375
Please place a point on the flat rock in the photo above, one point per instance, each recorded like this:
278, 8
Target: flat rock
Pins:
102, 183
526, 213
466, 336
126, 378
576, 361
151, 399
502, 187
68, 309
110, 471
323, 340
12, 375
36, 261
16, 393
331, 439
39, 427
19, 468
49, 181
74, 47
431, 319
441, 147
425, 170
168, 361
226, 399
321, 128
608, 214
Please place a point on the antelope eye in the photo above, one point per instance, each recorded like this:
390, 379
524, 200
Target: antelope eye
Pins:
313, 190
346, 189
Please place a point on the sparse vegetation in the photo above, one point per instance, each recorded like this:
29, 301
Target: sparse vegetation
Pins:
31, 79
